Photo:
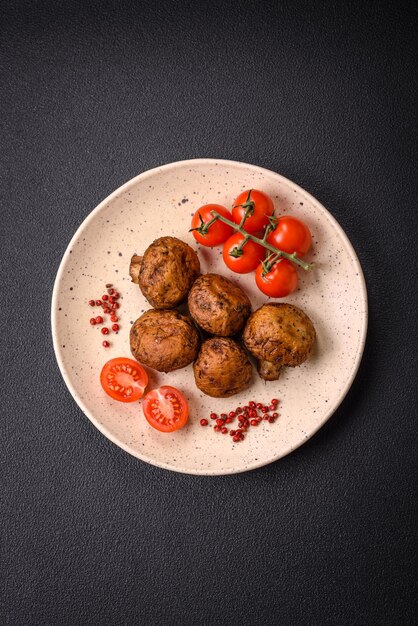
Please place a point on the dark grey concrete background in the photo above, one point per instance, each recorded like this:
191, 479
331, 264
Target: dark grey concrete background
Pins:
93, 93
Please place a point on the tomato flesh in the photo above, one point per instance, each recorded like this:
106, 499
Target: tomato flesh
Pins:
218, 232
166, 409
123, 379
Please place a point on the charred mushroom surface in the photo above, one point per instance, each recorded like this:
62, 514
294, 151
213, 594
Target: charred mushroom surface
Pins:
164, 340
218, 306
278, 334
222, 368
166, 272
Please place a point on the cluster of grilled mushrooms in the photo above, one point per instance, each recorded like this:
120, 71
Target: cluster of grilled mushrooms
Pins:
168, 273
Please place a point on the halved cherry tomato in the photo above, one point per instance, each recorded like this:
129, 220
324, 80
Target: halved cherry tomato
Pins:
281, 280
260, 206
218, 232
291, 235
166, 409
252, 254
124, 379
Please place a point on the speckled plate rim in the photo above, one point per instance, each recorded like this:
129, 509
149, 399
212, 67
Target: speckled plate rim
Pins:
126, 186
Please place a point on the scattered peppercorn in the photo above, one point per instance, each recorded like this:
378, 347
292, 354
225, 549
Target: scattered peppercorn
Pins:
247, 416
109, 306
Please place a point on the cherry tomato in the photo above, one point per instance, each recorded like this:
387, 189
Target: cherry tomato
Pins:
252, 254
218, 232
262, 206
123, 379
281, 280
166, 409
291, 235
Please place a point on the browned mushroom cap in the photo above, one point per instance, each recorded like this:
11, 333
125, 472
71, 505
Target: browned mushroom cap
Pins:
222, 368
164, 340
218, 306
167, 271
278, 334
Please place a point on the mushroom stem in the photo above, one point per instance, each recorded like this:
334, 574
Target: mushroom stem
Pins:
134, 268
268, 370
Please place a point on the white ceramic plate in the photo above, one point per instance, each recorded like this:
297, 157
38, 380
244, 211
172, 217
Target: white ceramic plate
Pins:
161, 202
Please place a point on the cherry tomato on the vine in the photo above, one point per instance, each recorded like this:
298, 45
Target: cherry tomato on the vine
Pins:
280, 281
252, 254
166, 409
123, 379
291, 235
218, 232
260, 207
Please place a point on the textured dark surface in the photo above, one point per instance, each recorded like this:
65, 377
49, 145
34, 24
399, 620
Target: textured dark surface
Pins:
93, 93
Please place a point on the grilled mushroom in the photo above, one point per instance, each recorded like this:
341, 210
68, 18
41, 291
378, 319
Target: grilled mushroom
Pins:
218, 306
166, 272
222, 368
164, 340
278, 334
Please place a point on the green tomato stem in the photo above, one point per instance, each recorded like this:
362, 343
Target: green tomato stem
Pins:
237, 227
238, 250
